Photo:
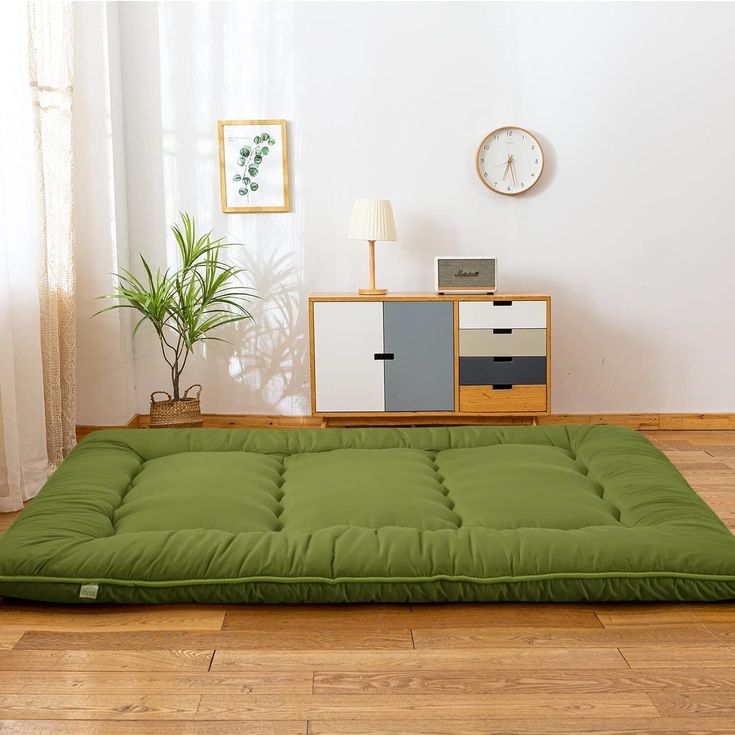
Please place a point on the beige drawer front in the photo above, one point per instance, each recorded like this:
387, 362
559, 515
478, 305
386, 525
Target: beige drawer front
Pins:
502, 343
491, 399
502, 315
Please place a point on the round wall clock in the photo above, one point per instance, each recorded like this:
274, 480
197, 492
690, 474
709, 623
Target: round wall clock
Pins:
510, 160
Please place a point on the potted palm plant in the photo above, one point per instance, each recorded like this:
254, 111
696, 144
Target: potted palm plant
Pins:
184, 306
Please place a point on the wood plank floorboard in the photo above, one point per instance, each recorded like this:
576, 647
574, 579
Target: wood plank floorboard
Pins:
317, 617
161, 727
133, 661
114, 618
527, 726
686, 704
673, 656
8, 638
157, 683
98, 707
448, 638
396, 617
426, 660
598, 669
540, 681
278, 639
413, 706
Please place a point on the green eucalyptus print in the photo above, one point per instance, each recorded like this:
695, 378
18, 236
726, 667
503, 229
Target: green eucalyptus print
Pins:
250, 160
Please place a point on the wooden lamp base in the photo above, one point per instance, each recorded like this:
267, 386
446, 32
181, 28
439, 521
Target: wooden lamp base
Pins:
372, 291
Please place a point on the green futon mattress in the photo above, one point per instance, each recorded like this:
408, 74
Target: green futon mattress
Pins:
559, 513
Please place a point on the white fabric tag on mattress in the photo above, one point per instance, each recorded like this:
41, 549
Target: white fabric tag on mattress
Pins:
89, 591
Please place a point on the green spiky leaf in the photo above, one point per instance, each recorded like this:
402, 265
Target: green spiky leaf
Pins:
185, 304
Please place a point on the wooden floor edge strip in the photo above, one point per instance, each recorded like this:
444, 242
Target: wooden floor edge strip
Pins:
639, 421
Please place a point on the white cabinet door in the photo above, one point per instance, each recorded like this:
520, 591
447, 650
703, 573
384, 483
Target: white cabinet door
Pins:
347, 336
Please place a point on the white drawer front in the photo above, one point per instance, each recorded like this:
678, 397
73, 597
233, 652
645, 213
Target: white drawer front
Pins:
516, 315
346, 337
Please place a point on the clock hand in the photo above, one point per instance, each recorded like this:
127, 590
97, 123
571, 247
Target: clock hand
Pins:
507, 168
512, 169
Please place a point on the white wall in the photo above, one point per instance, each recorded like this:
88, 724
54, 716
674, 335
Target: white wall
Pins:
631, 228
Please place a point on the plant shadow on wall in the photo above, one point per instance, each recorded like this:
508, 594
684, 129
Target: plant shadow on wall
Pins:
184, 305
271, 354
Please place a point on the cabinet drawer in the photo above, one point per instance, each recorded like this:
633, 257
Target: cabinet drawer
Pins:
513, 370
502, 342
502, 314
502, 399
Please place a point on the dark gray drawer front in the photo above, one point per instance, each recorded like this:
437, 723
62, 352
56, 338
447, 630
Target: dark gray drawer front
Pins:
492, 371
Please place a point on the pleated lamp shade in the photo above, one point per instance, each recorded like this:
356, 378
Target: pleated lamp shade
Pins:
372, 219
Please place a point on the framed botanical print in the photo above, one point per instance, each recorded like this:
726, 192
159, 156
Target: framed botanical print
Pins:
253, 165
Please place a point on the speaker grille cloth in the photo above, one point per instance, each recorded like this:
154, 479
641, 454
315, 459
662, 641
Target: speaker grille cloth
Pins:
470, 273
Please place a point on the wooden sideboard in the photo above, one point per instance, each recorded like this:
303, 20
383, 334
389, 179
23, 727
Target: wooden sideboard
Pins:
426, 355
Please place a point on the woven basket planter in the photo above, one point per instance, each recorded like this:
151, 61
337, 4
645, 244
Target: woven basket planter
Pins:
182, 413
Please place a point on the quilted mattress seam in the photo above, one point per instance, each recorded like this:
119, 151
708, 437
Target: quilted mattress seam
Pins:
368, 580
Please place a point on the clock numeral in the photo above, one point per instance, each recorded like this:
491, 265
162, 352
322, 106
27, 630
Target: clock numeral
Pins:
536, 161
522, 184
482, 160
487, 147
485, 174
509, 132
508, 188
495, 183
533, 174
533, 147
496, 137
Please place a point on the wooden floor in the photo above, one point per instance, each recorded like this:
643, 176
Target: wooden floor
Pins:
448, 669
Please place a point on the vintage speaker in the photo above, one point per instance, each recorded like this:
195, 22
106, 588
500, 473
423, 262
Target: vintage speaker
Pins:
465, 274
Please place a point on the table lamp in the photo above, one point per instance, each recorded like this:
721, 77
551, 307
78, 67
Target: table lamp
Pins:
372, 219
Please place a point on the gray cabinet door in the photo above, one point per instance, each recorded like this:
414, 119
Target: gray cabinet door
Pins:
419, 335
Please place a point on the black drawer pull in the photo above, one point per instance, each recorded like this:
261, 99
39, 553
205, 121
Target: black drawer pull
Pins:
384, 356
502, 386
502, 331
502, 359
502, 303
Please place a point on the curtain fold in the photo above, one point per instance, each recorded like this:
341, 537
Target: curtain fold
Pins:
51, 60
37, 329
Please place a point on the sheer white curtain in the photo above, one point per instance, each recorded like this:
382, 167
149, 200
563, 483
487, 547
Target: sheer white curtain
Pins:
51, 57
36, 268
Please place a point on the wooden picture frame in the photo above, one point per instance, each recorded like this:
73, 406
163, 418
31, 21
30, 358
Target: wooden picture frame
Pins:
250, 178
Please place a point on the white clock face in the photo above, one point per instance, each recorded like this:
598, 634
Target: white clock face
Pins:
510, 161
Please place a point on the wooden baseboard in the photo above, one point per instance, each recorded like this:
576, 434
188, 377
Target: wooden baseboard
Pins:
84, 429
237, 421
650, 421
639, 421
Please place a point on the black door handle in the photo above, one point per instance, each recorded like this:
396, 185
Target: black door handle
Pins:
384, 356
